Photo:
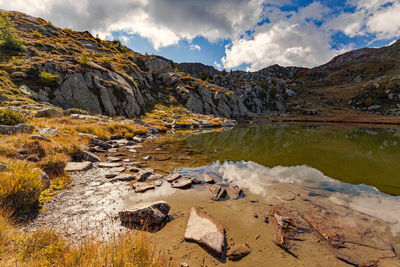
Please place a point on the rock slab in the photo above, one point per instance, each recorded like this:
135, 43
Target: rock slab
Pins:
78, 166
150, 213
207, 232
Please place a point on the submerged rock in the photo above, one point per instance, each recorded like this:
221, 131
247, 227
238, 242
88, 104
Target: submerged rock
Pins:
148, 213
238, 252
207, 232
78, 166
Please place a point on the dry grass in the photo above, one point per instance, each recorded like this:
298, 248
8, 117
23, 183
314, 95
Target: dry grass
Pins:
48, 248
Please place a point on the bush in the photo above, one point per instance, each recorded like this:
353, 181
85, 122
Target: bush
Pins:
10, 117
116, 44
54, 165
9, 39
85, 59
20, 185
49, 79
106, 61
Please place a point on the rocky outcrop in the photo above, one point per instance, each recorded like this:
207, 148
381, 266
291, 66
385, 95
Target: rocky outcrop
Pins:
207, 232
20, 128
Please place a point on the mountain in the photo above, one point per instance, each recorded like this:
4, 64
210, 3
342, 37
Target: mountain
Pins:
73, 69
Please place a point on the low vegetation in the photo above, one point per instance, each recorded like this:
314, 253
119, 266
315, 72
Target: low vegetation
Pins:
48, 79
9, 40
10, 117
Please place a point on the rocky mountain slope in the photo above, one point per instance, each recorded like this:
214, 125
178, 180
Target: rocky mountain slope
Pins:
76, 70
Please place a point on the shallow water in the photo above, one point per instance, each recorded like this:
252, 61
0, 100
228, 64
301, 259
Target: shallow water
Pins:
355, 155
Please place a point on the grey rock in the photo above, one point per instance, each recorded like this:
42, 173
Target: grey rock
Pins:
125, 177
234, 192
208, 179
172, 177
88, 156
102, 144
26, 90
207, 232
217, 192
48, 131
151, 213
114, 159
48, 113
78, 166
20, 128
143, 175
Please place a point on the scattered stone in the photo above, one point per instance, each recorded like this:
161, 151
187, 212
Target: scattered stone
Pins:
155, 176
172, 177
111, 175
48, 113
114, 159
109, 165
125, 177
217, 192
147, 158
235, 192
26, 90
195, 181
20, 128
132, 150
90, 136
39, 137
48, 131
102, 144
149, 213
134, 169
78, 166
112, 150
118, 169
207, 179
158, 183
88, 156
207, 232
182, 183
141, 187
143, 175
138, 139
238, 252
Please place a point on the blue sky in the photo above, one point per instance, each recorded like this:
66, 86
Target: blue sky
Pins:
230, 34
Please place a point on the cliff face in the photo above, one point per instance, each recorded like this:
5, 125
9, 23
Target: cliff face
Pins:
74, 69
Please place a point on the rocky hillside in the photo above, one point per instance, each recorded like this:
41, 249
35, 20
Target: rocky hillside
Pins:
76, 70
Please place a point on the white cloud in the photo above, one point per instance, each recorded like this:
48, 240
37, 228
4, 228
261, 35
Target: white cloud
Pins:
195, 47
218, 65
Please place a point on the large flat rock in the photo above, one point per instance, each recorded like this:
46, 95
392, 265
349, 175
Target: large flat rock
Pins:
110, 165
207, 232
149, 213
141, 187
78, 166
182, 183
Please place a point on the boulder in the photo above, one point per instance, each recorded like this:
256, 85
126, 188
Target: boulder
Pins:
26, 90
78, 166
125, 177
182, 183
141, 187
48, 131
88, 156
217, 192
101, 144
149, 213
20, 128
238, 252
207, 232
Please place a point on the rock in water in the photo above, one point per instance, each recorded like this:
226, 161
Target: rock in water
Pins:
207, 179
182, 183
151, 213
217, 192
110, 165
234, 192
207, 232
172, 177
238, 252
78, 166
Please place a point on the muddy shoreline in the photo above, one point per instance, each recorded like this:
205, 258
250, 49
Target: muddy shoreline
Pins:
90, 208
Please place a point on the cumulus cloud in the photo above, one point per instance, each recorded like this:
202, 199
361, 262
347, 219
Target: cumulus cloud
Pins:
195, 47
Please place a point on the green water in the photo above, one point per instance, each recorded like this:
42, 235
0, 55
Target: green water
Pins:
355, 155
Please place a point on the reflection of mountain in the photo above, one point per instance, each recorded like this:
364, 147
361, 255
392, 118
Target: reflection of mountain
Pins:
355, 155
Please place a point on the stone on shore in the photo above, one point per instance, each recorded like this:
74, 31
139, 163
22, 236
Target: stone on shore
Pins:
238, 252
143, 175
207, 232
141, 187
207, 179
114, 159
125, 177
150, 213
234, 192
110, 165
172, 177
182, 183
78, 166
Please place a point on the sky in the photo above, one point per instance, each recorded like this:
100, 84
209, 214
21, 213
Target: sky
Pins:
229, 34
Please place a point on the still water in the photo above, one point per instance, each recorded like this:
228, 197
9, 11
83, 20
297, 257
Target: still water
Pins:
355, 155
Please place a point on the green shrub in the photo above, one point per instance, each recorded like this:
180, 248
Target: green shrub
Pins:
107, 61
116, 44
223, 72
85, 59
9, 39
10, 117
48, 79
